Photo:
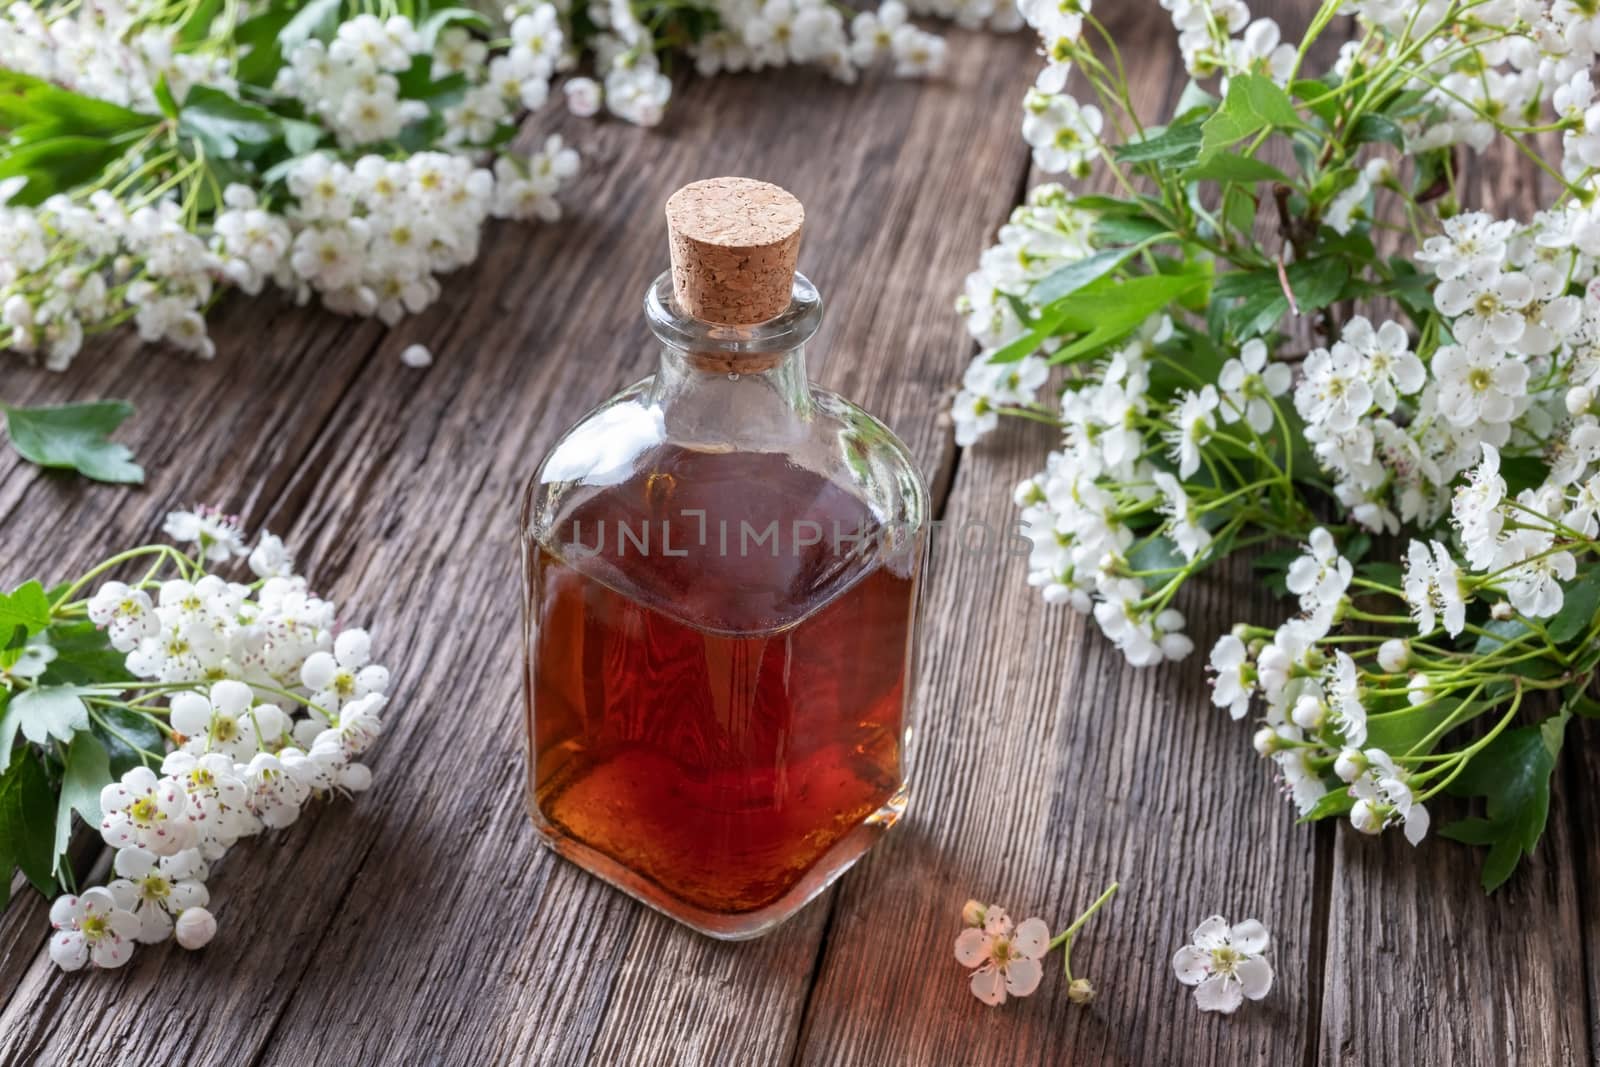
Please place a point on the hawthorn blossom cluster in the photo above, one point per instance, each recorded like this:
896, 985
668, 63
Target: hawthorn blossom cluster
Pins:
1216, 392
363, 166
266, 705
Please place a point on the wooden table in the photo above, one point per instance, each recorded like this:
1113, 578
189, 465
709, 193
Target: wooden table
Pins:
422, 923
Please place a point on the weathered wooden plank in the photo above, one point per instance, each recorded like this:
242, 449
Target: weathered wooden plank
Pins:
1420, 963
1046, 768
201, 433
432, 886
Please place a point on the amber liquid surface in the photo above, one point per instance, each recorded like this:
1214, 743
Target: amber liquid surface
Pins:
716, 722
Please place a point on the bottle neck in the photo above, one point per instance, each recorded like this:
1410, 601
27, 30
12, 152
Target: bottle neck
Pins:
733, 386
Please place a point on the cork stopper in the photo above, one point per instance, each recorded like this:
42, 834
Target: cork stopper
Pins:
734, 245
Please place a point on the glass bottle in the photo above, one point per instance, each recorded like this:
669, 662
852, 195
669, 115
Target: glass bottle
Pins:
722, 566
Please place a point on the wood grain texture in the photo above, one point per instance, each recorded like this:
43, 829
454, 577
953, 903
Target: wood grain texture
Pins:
422, 924
1421, 964
424, 917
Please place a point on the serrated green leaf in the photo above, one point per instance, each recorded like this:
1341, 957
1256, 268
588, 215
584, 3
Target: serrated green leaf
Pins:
1176, 144
27, 820
224, 125
1229, 167
76, 437
1074, 276
1254, 103
87, 771
26, 606
1512, 773
48, 711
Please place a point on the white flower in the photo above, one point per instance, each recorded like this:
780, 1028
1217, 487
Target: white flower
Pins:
1490, 304
1193, 420
1319, 577
344, 675
1478, 382
1432, 587
217, 800
1248, 381
125, 613
1534, 588
1472, 243
1344, 699
228, 722
1225, 964
1334, 391
270, 559
216, 535
1183, 527
1383, 798
1476, 509
91, 928
275, 795
1393, 370
582, 95
156, 888
1235, 676
1006, 960
1064, 134
195, 928
145, 811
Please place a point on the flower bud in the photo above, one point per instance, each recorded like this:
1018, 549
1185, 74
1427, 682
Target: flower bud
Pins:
1417, 691
195, 928
1080, 991
1266, 741
1578, 399
972, 913
1365, 817
1350, 765
1309, 712
1501, 611
1393, 655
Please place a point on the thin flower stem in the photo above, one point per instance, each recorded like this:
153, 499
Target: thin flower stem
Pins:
1063, 940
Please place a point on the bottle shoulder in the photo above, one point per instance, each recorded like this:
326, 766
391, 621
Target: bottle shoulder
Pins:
731, 532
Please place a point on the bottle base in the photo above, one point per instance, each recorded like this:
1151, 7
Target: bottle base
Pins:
728, 926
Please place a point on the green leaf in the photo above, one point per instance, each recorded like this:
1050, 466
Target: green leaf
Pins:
26, 101
75, 437
1376, 129
27, 810
1336, 801
223, 125
1173, 143
1577, 609
50, 711
1156, 554
197, 26
56, 164
87, 771
1307, 90
27, 607
1074, 276
1513, 774
1254, 103
131, 740
1229, 167
84, 656
256, 39
163, 95
1316, 283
